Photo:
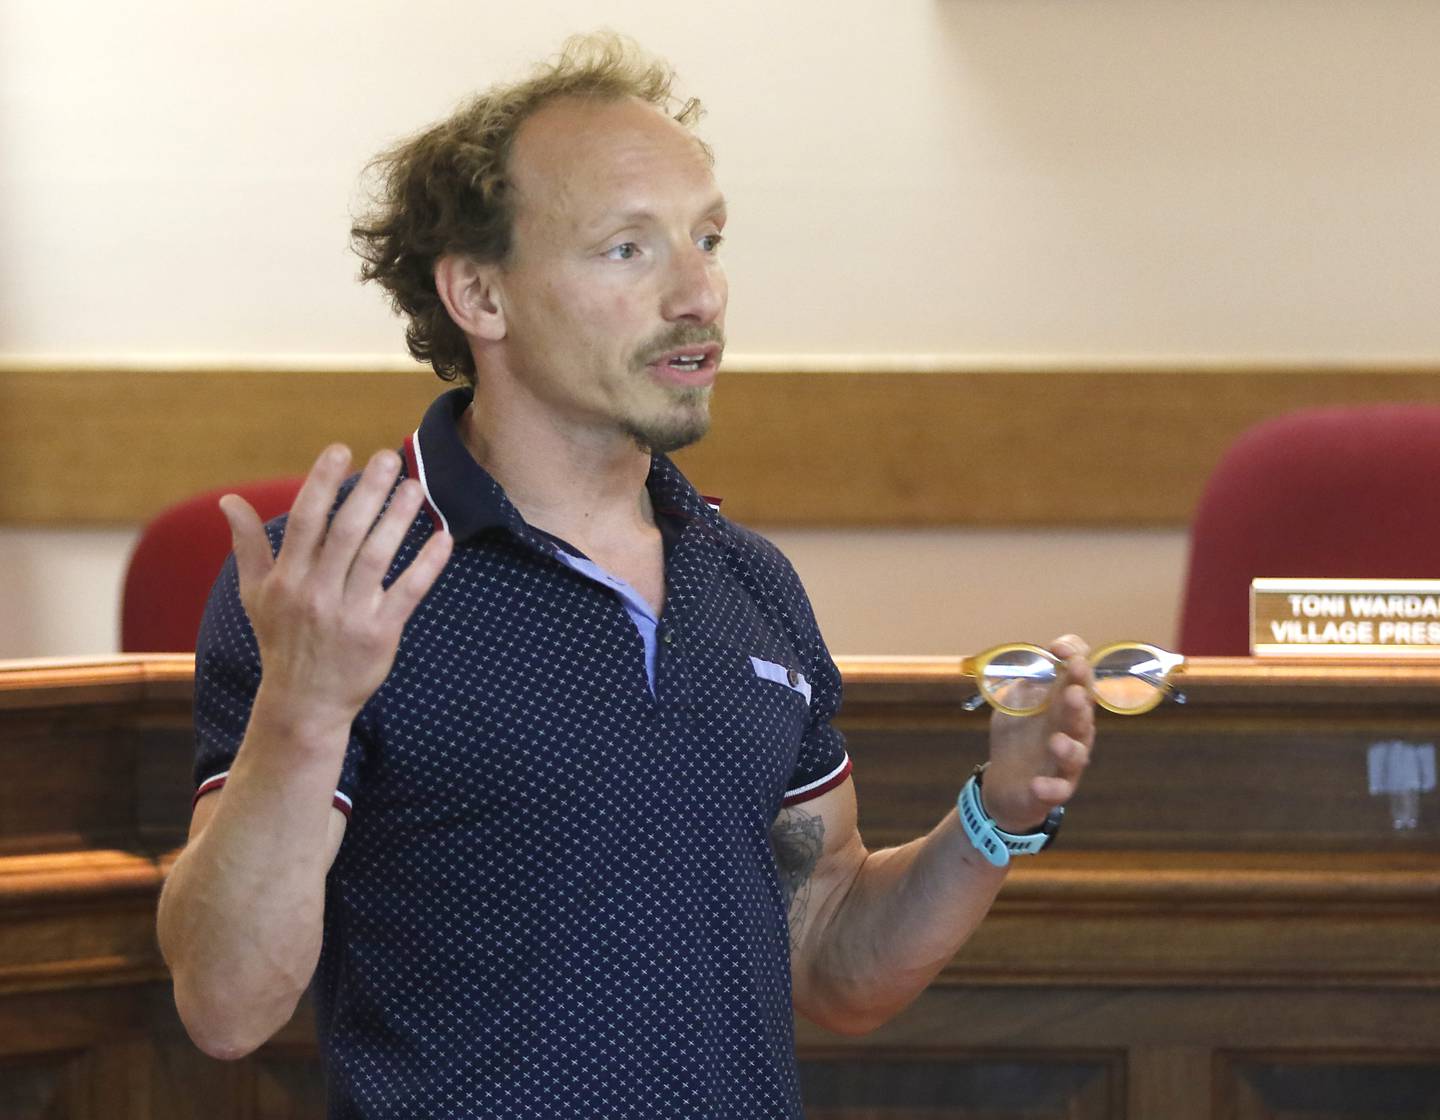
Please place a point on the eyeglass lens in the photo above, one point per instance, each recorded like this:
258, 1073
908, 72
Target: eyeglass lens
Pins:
1128, 678
1019, 679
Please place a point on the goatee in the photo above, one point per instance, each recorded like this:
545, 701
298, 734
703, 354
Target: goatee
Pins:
670, 433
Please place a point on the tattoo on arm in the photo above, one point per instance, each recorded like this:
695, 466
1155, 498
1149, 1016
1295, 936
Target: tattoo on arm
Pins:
797, 839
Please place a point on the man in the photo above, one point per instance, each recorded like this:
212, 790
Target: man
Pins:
538, 782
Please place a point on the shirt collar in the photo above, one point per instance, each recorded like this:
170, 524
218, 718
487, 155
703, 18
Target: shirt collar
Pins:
464, 499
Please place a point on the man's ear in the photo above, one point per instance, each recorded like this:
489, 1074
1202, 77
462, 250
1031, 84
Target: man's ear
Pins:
471, 294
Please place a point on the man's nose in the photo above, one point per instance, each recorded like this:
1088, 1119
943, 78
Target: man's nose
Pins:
696, 289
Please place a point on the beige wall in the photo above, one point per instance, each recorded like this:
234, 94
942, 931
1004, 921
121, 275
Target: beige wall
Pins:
1076, 178
893, 592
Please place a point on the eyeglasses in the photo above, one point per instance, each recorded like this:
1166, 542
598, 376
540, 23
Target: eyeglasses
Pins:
1018, 679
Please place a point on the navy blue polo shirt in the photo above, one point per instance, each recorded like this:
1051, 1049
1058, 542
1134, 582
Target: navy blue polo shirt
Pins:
556, 894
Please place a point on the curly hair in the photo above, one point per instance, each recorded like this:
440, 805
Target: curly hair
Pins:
445, 189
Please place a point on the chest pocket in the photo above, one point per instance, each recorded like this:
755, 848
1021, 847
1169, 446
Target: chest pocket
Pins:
751, 719
791, 678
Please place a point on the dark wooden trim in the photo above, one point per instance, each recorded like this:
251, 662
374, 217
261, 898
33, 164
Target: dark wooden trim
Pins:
847, 446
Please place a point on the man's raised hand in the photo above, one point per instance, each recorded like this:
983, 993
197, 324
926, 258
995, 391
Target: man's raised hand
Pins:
1036, 761
327, 628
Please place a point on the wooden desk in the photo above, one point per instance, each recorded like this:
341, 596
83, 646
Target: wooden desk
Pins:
1230, 926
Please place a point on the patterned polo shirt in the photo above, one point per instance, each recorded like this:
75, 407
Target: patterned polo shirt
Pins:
556, 894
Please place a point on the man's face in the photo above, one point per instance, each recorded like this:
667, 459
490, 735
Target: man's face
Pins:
613, 295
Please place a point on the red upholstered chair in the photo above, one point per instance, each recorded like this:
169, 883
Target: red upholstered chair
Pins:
1336, 493
177, 559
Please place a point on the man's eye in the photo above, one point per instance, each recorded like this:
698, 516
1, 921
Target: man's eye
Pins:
623, 252
710, 242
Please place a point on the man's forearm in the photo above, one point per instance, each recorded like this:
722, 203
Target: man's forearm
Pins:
904, 914
241, 915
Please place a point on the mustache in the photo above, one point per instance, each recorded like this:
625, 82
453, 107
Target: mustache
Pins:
678, 336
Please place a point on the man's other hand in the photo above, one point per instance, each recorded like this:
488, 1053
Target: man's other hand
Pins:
1036, 761
327, 627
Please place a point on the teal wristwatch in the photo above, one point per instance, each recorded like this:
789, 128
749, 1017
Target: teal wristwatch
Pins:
993, 842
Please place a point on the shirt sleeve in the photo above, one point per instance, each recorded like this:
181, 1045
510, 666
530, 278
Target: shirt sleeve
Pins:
227, 676
824, 763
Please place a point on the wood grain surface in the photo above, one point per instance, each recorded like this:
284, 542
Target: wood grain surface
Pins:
919, 445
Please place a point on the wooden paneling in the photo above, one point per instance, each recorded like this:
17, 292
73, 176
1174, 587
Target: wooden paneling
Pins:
843, 446
1151, 967
1350, 1087
1277, 750
1180, 1044
124, 774
938, 1085
118, 1053
285, 1085
41, 1088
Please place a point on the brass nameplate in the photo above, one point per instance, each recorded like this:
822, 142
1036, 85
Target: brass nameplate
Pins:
1345, 617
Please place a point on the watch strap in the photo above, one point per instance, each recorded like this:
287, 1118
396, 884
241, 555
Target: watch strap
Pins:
992, 841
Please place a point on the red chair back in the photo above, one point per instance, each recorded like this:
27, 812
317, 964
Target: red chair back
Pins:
1338, 493
175, 563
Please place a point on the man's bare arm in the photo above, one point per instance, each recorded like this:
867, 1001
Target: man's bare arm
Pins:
869, 930
242, 911
241, 915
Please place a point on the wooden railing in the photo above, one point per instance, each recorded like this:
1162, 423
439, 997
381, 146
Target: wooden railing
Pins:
1231, 925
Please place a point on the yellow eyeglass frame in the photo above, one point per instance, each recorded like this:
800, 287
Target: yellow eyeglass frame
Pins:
1169, 665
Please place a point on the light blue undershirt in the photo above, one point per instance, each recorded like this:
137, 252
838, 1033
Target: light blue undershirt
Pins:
635, 605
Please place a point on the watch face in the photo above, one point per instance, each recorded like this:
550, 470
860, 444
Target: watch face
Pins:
1028, 843
1051, 827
